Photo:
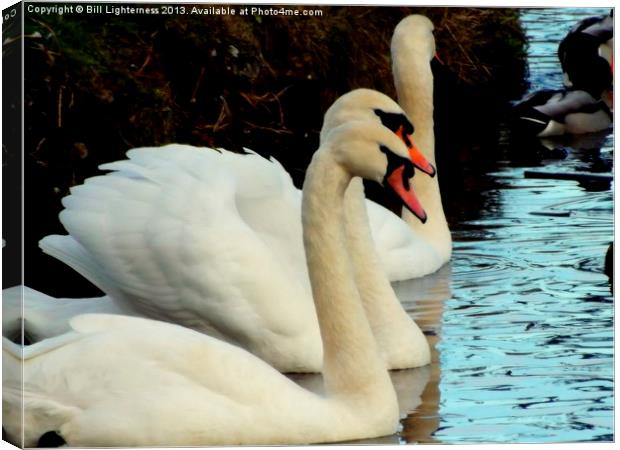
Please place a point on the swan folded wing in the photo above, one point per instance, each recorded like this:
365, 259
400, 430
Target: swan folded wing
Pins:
114, 344
164, 235
270, 204
170, 342
72, 253
92, 389
225, 372
257, 185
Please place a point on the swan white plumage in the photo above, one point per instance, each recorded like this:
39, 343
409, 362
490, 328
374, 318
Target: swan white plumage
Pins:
413, 47
126, 381
45, 316
400, 250
175, 266
200, 264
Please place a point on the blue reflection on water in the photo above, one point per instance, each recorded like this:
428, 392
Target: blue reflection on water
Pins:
526, 348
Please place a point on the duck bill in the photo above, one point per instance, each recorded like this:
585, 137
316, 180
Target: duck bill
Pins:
415, 154
398, 182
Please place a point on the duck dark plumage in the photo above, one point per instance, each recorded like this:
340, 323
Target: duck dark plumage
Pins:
557, 112
586, 55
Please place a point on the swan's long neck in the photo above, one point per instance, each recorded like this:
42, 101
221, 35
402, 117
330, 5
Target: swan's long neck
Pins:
392, 327
414, 86
352, 366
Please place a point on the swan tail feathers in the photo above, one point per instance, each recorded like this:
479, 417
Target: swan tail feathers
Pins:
70, 252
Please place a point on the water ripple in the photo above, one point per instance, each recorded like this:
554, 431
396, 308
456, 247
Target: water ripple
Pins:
522, 318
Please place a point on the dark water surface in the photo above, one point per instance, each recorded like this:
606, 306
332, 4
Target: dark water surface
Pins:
522, 318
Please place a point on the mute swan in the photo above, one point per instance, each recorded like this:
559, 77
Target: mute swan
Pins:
174, 266
413, 48
201, 265
126, 381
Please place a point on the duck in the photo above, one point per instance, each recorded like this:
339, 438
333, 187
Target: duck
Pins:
173, 266
556, 112
585, 105
586, 56
127, 381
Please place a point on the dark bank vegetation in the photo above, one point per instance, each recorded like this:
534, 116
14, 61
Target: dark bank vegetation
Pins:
98, 85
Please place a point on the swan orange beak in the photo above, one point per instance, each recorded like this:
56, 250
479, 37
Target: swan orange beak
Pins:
415, 154
418, 160
399, 182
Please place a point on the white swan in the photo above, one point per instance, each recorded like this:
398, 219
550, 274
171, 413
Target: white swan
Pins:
413, 47
201, 265
175, 265
124, 381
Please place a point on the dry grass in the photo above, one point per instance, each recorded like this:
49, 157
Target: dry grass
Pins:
233, 81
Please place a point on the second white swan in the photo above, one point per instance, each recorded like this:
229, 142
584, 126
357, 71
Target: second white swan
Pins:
123, 381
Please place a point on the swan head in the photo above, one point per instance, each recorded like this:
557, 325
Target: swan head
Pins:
415, 33
373, 106
372, 151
